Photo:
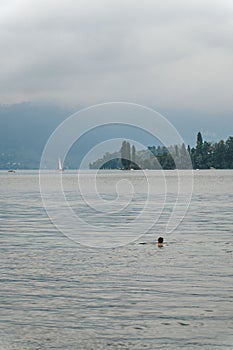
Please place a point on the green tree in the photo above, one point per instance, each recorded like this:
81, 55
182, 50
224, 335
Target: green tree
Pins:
219, 155
199, 140
134, 163
207, 155
185, 161
198, 155
125, 155
133, 154
229, 152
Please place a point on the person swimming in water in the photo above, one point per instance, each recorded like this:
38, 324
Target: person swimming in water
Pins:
160, 242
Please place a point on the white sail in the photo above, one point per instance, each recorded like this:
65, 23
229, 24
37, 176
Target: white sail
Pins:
60, 165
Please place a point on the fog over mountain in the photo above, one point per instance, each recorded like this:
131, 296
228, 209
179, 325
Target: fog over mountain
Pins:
175, 56
25, 129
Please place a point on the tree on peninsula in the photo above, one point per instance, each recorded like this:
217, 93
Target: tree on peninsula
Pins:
125, 155
205, 155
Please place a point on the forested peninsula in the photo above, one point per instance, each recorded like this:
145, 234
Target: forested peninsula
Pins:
205, 155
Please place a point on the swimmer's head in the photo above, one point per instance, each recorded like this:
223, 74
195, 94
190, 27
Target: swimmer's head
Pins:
160, 240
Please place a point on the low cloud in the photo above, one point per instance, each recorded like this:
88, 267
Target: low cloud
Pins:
174, 54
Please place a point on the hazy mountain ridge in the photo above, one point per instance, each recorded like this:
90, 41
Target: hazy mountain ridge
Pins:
25, 129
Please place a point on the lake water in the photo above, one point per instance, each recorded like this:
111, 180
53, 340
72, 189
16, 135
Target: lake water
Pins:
57, 294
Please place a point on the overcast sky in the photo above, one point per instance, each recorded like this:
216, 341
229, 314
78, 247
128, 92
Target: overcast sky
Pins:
175, 54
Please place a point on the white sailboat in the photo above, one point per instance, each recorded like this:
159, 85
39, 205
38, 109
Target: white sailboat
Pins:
60, 168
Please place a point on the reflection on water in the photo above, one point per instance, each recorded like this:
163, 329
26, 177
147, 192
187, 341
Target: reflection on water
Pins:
56, 294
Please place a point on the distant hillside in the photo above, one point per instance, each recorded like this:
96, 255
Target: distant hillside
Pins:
24, 130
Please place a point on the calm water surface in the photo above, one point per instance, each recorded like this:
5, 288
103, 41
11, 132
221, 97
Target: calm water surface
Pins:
56, 294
